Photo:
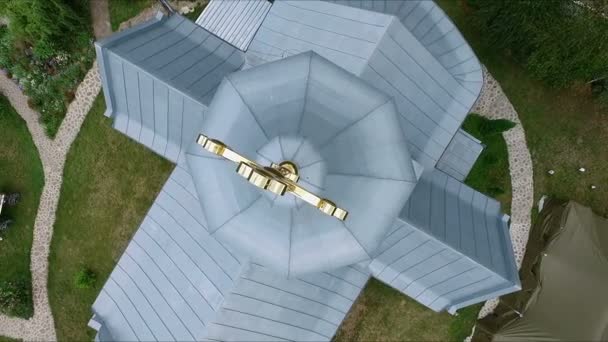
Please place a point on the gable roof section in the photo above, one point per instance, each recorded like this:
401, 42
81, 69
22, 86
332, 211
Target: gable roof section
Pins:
172, 277
159, 77
266, 306
379, 47
176, 282
234, 21
464, 219
449, 248
436, 32
433, 273
346, 36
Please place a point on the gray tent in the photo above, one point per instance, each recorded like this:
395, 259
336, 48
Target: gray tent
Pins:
565, 278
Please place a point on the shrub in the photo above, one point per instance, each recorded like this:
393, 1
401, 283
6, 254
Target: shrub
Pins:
15, 298
85, 278
490, 174
47, 49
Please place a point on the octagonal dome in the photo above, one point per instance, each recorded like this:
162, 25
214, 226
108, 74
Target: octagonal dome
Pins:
345, 139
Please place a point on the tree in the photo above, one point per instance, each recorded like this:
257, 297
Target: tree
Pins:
44, 25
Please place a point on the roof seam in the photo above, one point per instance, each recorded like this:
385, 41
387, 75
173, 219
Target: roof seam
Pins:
161, 271
248, 107
156, 288
145, 297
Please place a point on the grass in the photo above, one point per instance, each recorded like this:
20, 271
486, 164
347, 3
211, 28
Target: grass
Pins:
109, 184
7, 339
565, 129
123, 10
383, 314
490, 174
20, 171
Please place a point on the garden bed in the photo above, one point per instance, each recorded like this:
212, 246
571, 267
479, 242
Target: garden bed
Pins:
47, 48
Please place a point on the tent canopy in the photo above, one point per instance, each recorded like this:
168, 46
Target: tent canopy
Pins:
570, 300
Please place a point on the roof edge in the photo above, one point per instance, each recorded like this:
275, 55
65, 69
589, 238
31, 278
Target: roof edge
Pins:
489, 295
508, 279
101, 48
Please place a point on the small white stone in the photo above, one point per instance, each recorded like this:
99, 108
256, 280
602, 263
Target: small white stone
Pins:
551, 172
582, 169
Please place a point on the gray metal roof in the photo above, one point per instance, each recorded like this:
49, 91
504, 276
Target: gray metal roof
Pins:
460, 156
433, 93
436, 32
159, 77
449, 248
433, 273
307, 110
176, 282
464, 219
236, 22
266, 306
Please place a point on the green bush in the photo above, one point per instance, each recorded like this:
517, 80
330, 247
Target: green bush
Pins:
47, 48
85, 278
490, 174
558, 41
15, 298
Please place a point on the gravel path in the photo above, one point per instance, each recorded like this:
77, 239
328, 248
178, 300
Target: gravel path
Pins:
100, 15
52, 154
494, 104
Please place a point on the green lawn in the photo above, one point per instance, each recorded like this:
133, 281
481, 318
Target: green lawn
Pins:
123, 10
6, 339
20, 171
565, 129
383, 314
109, 184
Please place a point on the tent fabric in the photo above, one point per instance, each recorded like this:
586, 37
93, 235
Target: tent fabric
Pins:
565, 297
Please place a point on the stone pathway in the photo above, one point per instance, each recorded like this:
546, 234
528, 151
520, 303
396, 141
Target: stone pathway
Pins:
52, 154
494, 104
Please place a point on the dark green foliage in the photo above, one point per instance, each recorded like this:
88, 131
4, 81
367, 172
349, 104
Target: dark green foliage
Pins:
490, 174
558, 41
43, 25
15, 298
85, 278
47, 49
483, 128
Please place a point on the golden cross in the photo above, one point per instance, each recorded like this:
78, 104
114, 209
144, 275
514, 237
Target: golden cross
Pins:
276, 178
